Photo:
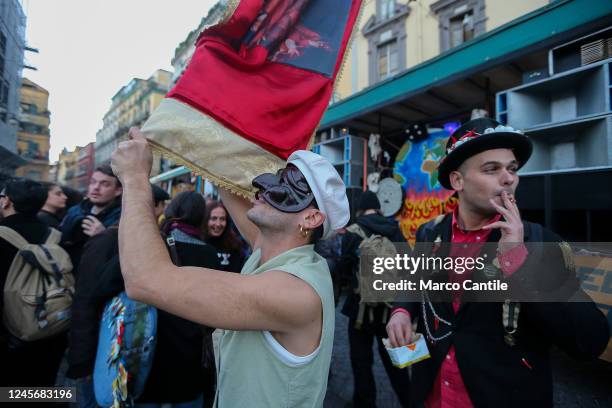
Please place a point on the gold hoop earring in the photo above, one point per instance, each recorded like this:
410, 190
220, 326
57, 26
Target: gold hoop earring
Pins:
304, 232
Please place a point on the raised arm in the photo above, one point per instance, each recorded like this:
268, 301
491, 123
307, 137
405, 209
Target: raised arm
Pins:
238, 207
274, 301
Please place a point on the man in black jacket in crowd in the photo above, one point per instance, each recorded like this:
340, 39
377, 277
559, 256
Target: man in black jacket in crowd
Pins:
25, 363
493, 354
101, 209
367, 322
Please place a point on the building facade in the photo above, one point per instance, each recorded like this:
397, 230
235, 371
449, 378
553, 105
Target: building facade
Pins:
33, 134
130, 106
397, 35
184, 51
12, 45
547, 72
84, 166
53, 172
67, 168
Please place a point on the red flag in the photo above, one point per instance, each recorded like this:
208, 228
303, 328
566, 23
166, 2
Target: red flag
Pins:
255, 89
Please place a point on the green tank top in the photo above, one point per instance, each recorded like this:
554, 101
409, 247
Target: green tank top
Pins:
253, 371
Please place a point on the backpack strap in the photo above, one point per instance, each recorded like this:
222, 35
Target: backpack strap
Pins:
53, 237
13, 237
173, 252
356, 229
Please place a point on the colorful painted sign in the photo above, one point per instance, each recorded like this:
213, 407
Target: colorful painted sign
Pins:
416, 169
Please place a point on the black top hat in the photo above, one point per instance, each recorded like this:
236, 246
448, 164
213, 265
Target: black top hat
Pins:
476, 136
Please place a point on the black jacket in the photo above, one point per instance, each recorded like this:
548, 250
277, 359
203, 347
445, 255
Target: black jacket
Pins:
50, 219
349, 256
230, 261
99, 281
73, 237
493, 372
177, 374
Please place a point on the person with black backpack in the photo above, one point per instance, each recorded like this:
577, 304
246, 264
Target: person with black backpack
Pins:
367, 321
30, 355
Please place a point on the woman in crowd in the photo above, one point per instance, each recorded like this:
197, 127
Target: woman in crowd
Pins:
220, 234
52, 212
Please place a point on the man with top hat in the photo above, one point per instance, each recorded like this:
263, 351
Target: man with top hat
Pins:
278, 314
486, 354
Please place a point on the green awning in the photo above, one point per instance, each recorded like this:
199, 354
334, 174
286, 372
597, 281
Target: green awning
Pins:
485, 50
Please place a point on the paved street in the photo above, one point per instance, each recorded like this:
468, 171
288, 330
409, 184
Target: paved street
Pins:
584, 385
340, 387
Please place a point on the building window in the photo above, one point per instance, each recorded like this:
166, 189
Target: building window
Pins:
4, 85
2, 52
4, 93
34, 175
461, 29
386, 9
388, 60
386, 35
459, 21
28, 108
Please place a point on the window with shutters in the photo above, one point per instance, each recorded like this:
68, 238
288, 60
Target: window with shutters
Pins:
386, 35
461, 29
388, 60
459, 21
386, 9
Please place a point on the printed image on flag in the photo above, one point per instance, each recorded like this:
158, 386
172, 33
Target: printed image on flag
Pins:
255, 89
302, 46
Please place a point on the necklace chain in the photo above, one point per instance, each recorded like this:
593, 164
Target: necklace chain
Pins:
433, 311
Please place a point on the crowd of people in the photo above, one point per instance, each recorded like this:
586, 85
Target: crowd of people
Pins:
276, 310
184, 369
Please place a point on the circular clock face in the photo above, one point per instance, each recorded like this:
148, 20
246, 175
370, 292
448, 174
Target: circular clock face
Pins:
390, 196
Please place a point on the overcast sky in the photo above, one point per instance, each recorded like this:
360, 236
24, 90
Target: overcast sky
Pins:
89, 49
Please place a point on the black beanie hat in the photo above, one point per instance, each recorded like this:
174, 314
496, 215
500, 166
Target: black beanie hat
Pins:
368, 201
159, 194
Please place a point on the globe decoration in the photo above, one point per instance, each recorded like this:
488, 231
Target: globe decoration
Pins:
416, 169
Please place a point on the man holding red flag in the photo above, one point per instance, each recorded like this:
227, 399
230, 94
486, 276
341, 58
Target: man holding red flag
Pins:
246, 106
279, 312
